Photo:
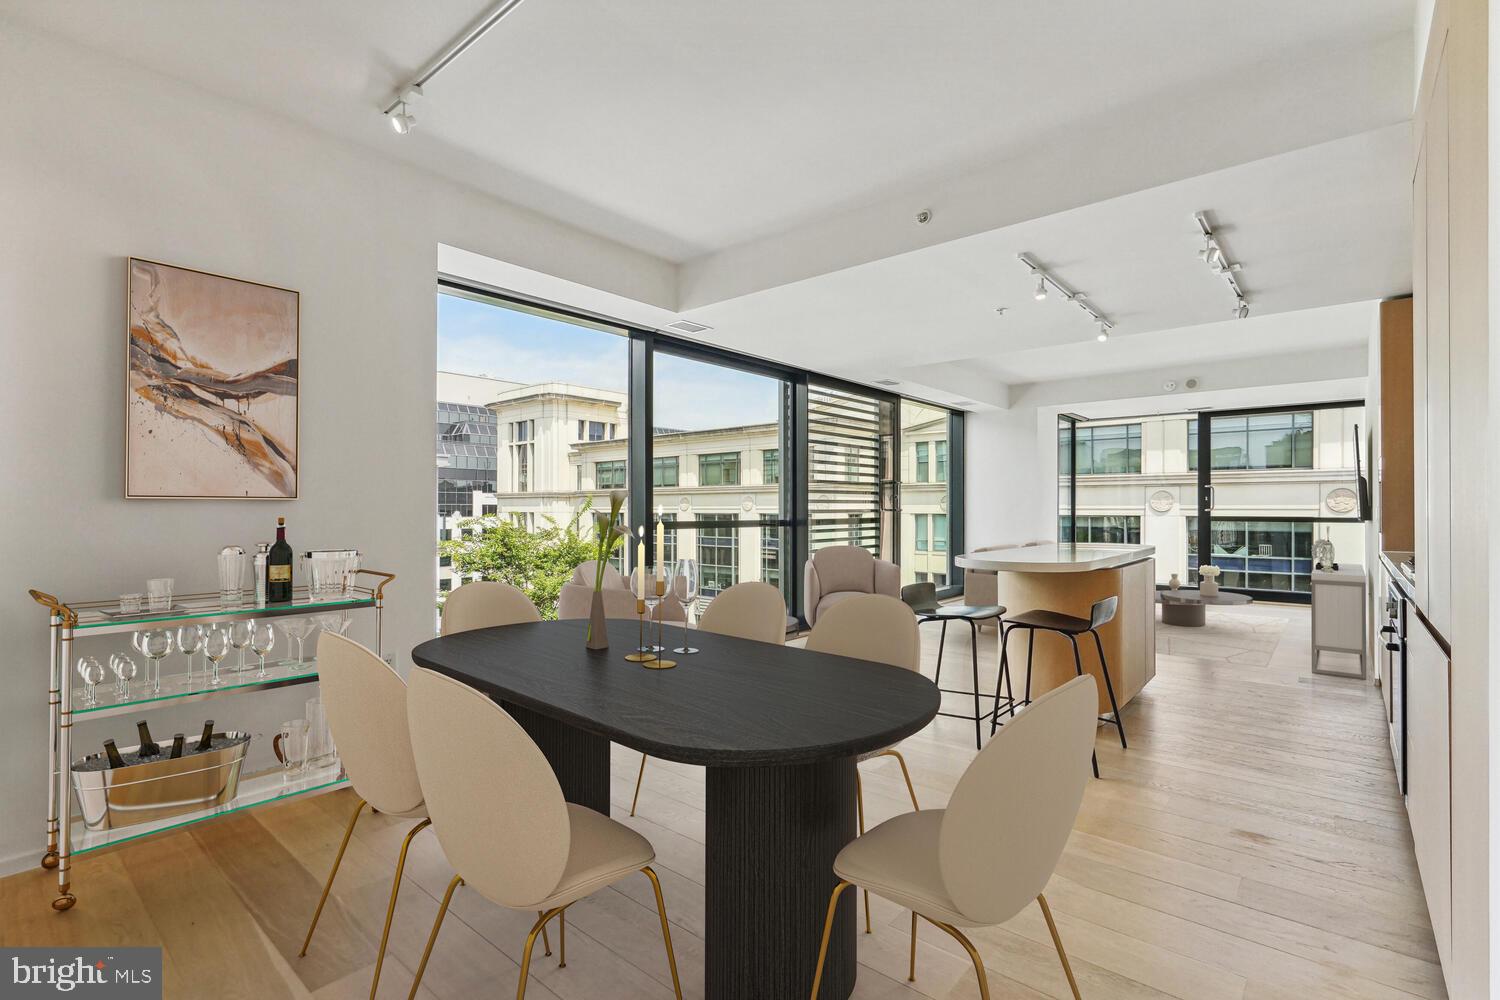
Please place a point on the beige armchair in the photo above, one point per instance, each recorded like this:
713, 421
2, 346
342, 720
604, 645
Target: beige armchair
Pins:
838, 573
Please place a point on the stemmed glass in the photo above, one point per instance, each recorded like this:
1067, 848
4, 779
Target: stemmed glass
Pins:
124, 669
92, 672
262, 639
155, 645
337, 623
239, 638
298, 628
684, 585
215, 648
189, 641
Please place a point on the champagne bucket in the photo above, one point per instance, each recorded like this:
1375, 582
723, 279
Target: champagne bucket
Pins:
111, 798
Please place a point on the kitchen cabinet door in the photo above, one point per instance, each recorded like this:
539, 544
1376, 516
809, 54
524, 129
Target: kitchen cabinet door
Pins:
1428, 763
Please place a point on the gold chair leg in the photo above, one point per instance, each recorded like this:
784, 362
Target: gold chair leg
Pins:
911, 976
390, 911
541, 924
442, 912
359, 804
957, 935
666, 932
1057, 942
910, 790
833, 903
859, 801
562, 938
639, 775
546, 944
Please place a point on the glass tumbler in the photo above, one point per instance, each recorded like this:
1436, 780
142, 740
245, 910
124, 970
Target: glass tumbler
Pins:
231, 575
290, 747
159, 594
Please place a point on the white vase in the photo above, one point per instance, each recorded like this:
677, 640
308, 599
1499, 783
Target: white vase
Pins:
1208, 587
1174, 583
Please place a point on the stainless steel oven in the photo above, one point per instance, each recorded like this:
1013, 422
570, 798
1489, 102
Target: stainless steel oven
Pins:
1394, 672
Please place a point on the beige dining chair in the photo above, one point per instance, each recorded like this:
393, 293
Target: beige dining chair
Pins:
516, 841
879, 628
366, 704
749, 610
978, 862
485, 604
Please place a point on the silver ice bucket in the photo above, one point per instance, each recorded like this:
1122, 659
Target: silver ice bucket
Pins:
157, 789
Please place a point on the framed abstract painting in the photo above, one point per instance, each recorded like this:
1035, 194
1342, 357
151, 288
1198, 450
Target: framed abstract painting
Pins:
210, 386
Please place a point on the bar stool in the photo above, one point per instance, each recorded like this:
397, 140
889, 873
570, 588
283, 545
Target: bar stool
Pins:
1101, 614
922, 599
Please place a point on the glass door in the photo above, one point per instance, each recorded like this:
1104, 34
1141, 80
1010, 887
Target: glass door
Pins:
1272, 483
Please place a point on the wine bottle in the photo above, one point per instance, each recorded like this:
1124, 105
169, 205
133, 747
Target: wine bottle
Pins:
178, 742
148, 747
113, 753
207, 739
279, 568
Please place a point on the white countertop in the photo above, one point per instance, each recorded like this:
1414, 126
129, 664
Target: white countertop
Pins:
1052, 557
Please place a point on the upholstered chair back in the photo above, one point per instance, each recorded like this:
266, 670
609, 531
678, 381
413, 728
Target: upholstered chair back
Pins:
485, 604
366, 704
749, 610
869, 627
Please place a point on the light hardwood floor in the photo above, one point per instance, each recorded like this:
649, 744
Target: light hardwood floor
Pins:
1250, 845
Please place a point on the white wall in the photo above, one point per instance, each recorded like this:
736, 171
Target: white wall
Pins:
1009, 491
101, 160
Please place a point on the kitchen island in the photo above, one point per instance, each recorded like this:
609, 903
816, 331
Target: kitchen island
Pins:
1067, 578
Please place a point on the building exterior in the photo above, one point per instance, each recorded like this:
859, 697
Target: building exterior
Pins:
1277, 479
554, 447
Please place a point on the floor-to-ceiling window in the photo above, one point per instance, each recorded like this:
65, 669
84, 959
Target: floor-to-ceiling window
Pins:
538, 400
1277, 480
717, 437
751, 464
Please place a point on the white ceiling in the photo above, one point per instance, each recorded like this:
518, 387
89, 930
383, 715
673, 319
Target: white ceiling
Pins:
684, 127
778, 152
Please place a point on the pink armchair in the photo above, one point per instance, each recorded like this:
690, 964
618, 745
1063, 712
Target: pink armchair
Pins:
838, 573
619, 601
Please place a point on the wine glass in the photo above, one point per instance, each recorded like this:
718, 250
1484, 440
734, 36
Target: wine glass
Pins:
239, 637
189, 641
338, 623
262, 639
124, 670
92, 672
685, 589
298, 628
155, 645
215, 648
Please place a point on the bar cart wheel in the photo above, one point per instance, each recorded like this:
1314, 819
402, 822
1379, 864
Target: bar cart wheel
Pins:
49, 860
64, 902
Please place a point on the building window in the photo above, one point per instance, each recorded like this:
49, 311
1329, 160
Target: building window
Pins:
941, 447
921, 462
718, 555
578, 469
1258, 555
523, 468
1258, 441
445, 534
445, 560
1111, 450
770, 466
770, 551
596, 430
940, 532
669, 539
520, 430
609, 475
941, 579
921, 522
719, 469
611, 432
445, 585
491, 509
1106, 529
580, 430
664, 471
921, 577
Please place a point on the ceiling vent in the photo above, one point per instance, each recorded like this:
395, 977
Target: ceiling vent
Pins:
687, 326
886, 381
964, 402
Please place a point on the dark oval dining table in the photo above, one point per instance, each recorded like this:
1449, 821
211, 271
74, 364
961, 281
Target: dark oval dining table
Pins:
778, 730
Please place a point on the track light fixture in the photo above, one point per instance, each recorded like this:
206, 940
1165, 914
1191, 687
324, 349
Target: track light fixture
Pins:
1219, 263
397, 112
1043, 280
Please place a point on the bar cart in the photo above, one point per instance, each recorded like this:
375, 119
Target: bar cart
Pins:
65, 700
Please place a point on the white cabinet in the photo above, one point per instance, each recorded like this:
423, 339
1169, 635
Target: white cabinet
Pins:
1338, 615
1428, 770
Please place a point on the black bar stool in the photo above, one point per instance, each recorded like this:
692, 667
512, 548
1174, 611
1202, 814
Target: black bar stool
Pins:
1101, 614
922, 599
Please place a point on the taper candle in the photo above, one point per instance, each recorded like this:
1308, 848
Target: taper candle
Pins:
640, 567
661, 546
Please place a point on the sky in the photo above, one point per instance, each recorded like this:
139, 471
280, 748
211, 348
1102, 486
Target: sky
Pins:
482, 338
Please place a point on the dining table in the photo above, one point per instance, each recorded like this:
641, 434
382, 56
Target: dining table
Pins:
778, 730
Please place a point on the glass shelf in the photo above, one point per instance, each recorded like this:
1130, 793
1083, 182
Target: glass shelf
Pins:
179, 688
105, 615
270, 787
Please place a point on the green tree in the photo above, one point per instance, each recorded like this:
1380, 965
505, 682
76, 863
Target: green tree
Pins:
537, 563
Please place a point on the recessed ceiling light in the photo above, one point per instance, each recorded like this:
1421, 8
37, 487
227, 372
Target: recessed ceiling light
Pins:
688, 326
886, 381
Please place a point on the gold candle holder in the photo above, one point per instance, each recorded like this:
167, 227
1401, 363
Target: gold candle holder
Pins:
656, 662
642, 655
